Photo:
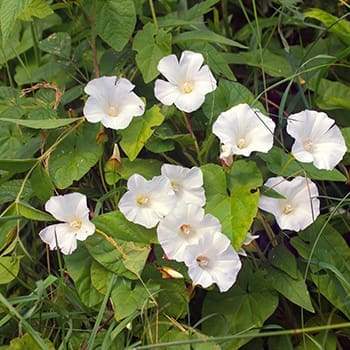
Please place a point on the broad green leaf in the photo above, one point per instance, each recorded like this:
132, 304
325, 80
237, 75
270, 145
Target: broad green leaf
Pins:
329, 257
9, 268
29, 212
126, 299
207, 36
41, 183
338, 26
10, 189
117, 226
294, 289
151, 45
115, 21
74, 156
236, 209
346, 134
58, 44
284, 260
280, 342
17, 165
27, 341
36, 8
80, 272
245, 306
200, 9
139, 131
326, 340
100, 277
227, 95
12, 140
283, 164
41, 124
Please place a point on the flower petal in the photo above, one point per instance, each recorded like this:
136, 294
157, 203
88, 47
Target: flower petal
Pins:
169, 67
189, 102
166, 92
100, 86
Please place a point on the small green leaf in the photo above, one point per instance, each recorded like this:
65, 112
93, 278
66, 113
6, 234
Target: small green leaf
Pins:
283, 259
139, 131
58, 44
29, 212
283, 164
41, 183
17, 165
151, 45
9, 268
30, 341
36, 8
42, 124
115, 21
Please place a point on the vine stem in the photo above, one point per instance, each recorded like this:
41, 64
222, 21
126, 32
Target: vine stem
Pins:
195, 142
154, 16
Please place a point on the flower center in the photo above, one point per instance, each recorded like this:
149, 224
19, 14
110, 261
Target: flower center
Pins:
142, 200
186, 229
187, 87
75, 224
287, 209
307, 145
175, 186
112, 111
202, 261
241, 143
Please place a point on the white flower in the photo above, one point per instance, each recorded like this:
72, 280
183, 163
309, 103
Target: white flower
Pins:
188, 82
226, 155
73, 211
245, 130
112, 102
249, 238
182, 227
317, 139
186, 183
213, 260
300, 206
147, 201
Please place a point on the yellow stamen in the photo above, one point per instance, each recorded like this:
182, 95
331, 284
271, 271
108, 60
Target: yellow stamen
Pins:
187, 87
241, 143
142, 200
112, 111
202, 261
185, 228
175, 186
287, 209
76, 224
307, 145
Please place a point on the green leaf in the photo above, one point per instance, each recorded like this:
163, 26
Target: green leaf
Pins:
100, 277
227, 95
294, 289
237, 209
36, 8
81, 276
10, 189
58, 44
41, 183
284, 260
151, 45
338, 26
29, 212
75, 156
207, 36
27, 341
115, 21
139, 131
200, 9
41, 124
346, 134
9, 268
283, 164
17, 165
245, 306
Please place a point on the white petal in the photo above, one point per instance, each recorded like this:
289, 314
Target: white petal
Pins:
166, 92
205, 81
87, 229
66, 239
47, 235
100, 86
200, 276
95, 110
189, 102
169, 67
191, 62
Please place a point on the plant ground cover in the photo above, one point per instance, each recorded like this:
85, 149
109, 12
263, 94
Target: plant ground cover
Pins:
174, 174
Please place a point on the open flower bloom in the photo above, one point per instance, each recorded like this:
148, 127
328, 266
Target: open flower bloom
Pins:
147, 201
73, 211
186, 183
317, 139
182, 227
112, 102
213, 260
243, 130
300, 206
188, 82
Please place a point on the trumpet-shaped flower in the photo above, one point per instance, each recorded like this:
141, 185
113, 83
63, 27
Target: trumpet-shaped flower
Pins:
213, 260
186, 183
182, 227
243, 130
188, 81
147, 201
73, 211
300, 206
317, 139
112, 102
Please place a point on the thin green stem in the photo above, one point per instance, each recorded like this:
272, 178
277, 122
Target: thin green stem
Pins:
154, 16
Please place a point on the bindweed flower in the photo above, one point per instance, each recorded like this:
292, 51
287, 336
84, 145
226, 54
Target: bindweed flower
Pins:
182, 227
300, 206
249, 238
226, 155
188, 81
73, 211
147, 201
186, 183
112, 102
213, 260
317, 139
244, 130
